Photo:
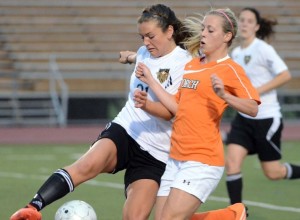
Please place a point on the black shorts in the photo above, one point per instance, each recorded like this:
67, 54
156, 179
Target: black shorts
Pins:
258, 136
139, 164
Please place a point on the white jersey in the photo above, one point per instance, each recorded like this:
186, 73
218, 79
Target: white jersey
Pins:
261, 64
150, 132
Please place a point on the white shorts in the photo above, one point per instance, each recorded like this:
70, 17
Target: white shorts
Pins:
195, 178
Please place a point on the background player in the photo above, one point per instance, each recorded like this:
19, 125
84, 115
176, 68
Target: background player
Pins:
259, 135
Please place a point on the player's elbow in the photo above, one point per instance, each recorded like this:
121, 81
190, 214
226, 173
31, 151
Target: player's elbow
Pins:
254, 112
252, 109
167, 116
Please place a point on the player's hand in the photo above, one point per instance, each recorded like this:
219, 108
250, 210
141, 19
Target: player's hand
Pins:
127, 57
27, 213
217, 85
143, 73
139, 98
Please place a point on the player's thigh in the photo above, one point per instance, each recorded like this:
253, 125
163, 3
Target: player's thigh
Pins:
141, 196
180, 205
100, 158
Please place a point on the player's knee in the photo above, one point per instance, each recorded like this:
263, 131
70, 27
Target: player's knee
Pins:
273, 175
232, 166
136, 214
84, 170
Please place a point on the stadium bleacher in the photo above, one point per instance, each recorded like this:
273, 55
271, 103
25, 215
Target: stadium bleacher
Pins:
87, 35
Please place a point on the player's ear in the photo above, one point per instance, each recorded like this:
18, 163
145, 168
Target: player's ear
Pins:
227, 37
257, 27
170, 32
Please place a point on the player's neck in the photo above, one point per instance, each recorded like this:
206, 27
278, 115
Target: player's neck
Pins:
246, 42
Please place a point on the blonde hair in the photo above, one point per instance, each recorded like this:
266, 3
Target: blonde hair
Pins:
192, 25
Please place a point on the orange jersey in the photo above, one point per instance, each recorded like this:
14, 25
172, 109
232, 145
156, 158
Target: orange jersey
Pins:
196, 133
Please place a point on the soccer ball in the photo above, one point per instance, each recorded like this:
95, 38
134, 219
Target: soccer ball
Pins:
75, 210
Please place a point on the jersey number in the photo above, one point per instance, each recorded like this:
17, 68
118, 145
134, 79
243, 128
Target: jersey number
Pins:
142, 88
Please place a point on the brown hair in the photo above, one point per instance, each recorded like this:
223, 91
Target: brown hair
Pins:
265, 30
164, 17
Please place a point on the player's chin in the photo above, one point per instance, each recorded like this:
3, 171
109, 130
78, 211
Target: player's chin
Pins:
154, 53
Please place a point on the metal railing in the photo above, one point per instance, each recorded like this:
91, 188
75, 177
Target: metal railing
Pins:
59, 91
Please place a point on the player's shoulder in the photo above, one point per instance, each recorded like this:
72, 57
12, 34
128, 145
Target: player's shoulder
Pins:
236, 50
181, 54
233, 65
142, 50
263, 46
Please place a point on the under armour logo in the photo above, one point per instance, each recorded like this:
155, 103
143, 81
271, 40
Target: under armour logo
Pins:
186, 182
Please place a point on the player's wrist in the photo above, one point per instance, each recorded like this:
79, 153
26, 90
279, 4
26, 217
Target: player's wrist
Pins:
128, 60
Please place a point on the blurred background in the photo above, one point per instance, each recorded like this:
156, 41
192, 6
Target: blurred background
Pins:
59, 58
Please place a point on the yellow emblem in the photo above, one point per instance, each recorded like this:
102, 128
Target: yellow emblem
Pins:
247, 59
162, 75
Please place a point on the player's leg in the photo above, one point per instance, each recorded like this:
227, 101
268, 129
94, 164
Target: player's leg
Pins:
179, 205
142, 179
100, 158
269, 152
187, 184
159, 205
234, 179
274, 170
141, 196
239, 144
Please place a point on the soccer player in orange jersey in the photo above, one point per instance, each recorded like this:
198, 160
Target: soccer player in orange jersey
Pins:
210, 83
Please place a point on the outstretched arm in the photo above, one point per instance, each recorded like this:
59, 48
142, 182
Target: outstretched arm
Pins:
127, 57
246, 106
143, 73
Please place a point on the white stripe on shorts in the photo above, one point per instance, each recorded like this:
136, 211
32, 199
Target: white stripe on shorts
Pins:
272, 130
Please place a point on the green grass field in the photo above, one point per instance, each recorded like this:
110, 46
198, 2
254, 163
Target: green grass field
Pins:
24, 168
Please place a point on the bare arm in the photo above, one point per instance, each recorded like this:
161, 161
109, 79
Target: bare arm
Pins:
154, 108
127, 57
143, 73
246, 106
275, 83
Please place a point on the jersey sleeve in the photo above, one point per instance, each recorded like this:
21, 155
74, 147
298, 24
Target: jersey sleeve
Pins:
237, 83
273, 61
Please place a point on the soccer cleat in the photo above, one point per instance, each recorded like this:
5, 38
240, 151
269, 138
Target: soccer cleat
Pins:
27, 213
240, 211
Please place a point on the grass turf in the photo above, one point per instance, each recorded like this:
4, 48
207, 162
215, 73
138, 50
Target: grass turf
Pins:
24, 168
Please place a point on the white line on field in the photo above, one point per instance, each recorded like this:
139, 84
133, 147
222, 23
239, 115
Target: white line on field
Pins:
121, 186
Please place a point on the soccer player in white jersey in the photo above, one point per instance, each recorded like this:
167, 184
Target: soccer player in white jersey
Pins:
134, 140
259, 135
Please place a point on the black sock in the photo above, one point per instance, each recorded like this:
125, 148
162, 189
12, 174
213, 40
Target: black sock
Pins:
58, 185
293, 171
234, 185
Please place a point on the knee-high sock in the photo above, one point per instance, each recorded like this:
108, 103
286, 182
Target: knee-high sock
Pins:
234, 185
58, 185
293, 171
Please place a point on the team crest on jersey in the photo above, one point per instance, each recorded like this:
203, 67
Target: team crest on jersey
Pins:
247, 59
162, 75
